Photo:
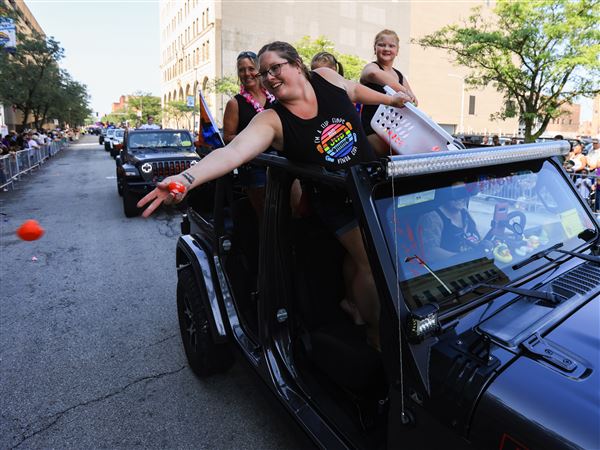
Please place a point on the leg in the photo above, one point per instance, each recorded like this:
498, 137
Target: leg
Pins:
295, 197
348, 304
363, 290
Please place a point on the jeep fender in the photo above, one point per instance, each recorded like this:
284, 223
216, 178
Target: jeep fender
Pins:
190, 253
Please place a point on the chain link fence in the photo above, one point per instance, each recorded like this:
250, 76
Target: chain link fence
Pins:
15, 165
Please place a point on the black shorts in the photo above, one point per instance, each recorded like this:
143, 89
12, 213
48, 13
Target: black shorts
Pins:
333, 206
252, 176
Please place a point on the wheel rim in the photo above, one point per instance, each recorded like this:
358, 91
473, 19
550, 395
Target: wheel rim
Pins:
195, 326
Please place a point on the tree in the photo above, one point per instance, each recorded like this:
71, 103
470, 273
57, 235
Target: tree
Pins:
147, 103
540, 54
229, 85
179, 111
307, 48
27, 70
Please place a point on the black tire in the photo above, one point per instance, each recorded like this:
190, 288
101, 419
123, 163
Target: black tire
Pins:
119, 185
106, 146
130, 204
204, 356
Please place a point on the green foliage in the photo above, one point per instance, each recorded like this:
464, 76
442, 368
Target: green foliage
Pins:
144, 102
228, 85
307, 48
32, 82
540, 54
181, 113
147, 103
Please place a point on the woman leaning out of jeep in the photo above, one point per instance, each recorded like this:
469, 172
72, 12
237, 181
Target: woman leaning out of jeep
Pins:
312, 108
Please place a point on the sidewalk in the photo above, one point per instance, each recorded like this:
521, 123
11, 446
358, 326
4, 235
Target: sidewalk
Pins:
15, 165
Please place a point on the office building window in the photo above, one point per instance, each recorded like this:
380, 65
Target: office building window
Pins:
471, 105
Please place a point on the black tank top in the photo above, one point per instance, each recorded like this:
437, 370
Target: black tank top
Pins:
456, 239
246, 112
368, 111
334, 138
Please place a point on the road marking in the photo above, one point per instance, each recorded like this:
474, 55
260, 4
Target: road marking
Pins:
111, 178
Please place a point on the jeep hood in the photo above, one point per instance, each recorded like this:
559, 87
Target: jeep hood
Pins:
533, 404
162, 156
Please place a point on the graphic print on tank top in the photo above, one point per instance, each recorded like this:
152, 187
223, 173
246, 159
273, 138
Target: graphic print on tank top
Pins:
336, 140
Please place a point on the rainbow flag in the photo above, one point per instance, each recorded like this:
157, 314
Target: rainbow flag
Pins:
208, 134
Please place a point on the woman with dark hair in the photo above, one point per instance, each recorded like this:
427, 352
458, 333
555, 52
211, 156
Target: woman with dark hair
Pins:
326, 59
378, 74
239, 111
313, 121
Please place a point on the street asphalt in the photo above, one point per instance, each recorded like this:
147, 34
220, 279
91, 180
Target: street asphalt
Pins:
90, 351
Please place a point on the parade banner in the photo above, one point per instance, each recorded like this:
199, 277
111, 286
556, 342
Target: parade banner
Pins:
8, 34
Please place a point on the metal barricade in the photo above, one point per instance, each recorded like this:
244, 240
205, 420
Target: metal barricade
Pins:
515, 192
13, 165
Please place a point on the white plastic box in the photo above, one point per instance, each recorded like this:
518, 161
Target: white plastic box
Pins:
408, 130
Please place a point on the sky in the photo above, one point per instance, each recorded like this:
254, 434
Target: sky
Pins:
112, 47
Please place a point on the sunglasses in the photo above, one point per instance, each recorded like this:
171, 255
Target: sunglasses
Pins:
250, 55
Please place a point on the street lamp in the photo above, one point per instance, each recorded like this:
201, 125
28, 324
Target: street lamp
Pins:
462, 101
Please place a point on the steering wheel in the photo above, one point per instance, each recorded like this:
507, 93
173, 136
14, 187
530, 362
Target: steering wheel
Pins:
514, 222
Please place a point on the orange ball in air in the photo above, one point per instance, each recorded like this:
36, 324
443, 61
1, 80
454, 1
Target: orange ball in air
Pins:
30, 230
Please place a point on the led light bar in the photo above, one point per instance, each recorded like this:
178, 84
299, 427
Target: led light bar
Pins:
426, 163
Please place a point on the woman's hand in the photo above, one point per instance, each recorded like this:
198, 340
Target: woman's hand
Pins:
167, 192
409, 94
399, 99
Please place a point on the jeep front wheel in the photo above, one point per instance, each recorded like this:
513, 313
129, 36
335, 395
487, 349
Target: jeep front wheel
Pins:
130, 203
204, 356
119, 184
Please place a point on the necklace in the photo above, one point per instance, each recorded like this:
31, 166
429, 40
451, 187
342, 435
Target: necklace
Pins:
252, 101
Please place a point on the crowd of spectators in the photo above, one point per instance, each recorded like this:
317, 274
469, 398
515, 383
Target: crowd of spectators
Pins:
29, 139
584, 164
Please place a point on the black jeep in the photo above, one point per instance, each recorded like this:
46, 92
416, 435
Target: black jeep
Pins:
146, 158
492, 346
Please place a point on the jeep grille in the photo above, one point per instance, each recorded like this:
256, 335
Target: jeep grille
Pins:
168, 168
